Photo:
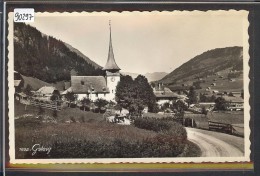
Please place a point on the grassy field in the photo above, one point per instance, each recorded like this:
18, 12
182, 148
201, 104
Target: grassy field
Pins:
235, 118
89, 136
64, 115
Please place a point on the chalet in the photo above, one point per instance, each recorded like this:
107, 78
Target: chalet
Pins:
213, 84
215, 91
95, 87
46, 92
236, 94
234, 103
164, 94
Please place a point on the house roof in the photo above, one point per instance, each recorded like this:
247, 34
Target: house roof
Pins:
66, 85
233, 99
46, 90
88, 84
66, 91
165, 92
111, 63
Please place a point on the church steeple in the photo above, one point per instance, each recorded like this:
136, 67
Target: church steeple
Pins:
111, 65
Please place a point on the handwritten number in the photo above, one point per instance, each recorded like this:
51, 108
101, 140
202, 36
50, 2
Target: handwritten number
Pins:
23, 16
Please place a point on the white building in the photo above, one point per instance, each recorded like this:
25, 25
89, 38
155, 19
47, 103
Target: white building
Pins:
94, 87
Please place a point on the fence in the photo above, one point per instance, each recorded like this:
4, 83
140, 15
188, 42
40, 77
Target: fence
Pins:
223, 127
51, 106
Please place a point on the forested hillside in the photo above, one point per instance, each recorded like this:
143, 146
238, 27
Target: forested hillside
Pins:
207, 63
46, 58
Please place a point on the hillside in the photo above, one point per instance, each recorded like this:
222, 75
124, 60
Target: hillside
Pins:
80, 54
213, 66
46, 58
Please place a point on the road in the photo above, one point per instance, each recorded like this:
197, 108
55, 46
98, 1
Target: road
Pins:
215, 144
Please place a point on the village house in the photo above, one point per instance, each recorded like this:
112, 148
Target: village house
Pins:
234, 103
213, 84
96, 87
46, 92
165, 95
236, 94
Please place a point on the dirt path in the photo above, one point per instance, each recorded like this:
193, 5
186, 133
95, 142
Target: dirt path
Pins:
216, 144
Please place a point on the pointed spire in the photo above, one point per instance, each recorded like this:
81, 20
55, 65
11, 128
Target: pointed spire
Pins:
111, 63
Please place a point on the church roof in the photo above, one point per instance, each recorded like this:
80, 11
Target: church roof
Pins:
111, 63
88, 84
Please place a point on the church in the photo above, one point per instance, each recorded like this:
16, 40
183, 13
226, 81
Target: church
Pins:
95, 87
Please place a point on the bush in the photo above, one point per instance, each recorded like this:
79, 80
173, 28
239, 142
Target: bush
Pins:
82, 119
55, 114
159, 146
73, 119
27, 123
41, 110
153, 124
102, 110
73, 105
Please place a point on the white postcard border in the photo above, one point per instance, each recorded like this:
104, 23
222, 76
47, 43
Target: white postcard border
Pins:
247, 143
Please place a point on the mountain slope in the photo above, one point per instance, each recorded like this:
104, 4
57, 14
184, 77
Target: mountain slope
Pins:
46, 58
208, 63
82, 55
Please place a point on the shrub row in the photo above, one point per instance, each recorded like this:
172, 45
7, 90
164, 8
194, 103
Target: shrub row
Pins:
158, 146
155, 124
168, 130
95, 110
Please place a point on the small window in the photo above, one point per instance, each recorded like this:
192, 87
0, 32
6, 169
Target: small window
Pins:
104, 94
82, 82
112, 91
96, 95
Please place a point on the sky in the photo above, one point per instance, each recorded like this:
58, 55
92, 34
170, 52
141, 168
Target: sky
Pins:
145, 42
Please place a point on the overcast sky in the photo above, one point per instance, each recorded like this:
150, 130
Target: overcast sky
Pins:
145, 42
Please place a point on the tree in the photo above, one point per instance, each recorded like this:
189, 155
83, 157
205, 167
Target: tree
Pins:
55, 95
221, 104
145, 92
85, 102
213, 98
242, 93
204, 110
28, 90
203, 98
100, 103
197, 85
179, 106
70, 96
134, 95
192, 95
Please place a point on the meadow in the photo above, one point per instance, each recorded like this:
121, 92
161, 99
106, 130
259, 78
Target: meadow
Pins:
235, 118
87, 135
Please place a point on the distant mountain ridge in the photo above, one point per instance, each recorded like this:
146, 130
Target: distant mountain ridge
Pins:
150, 76
48, 59
207, 63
